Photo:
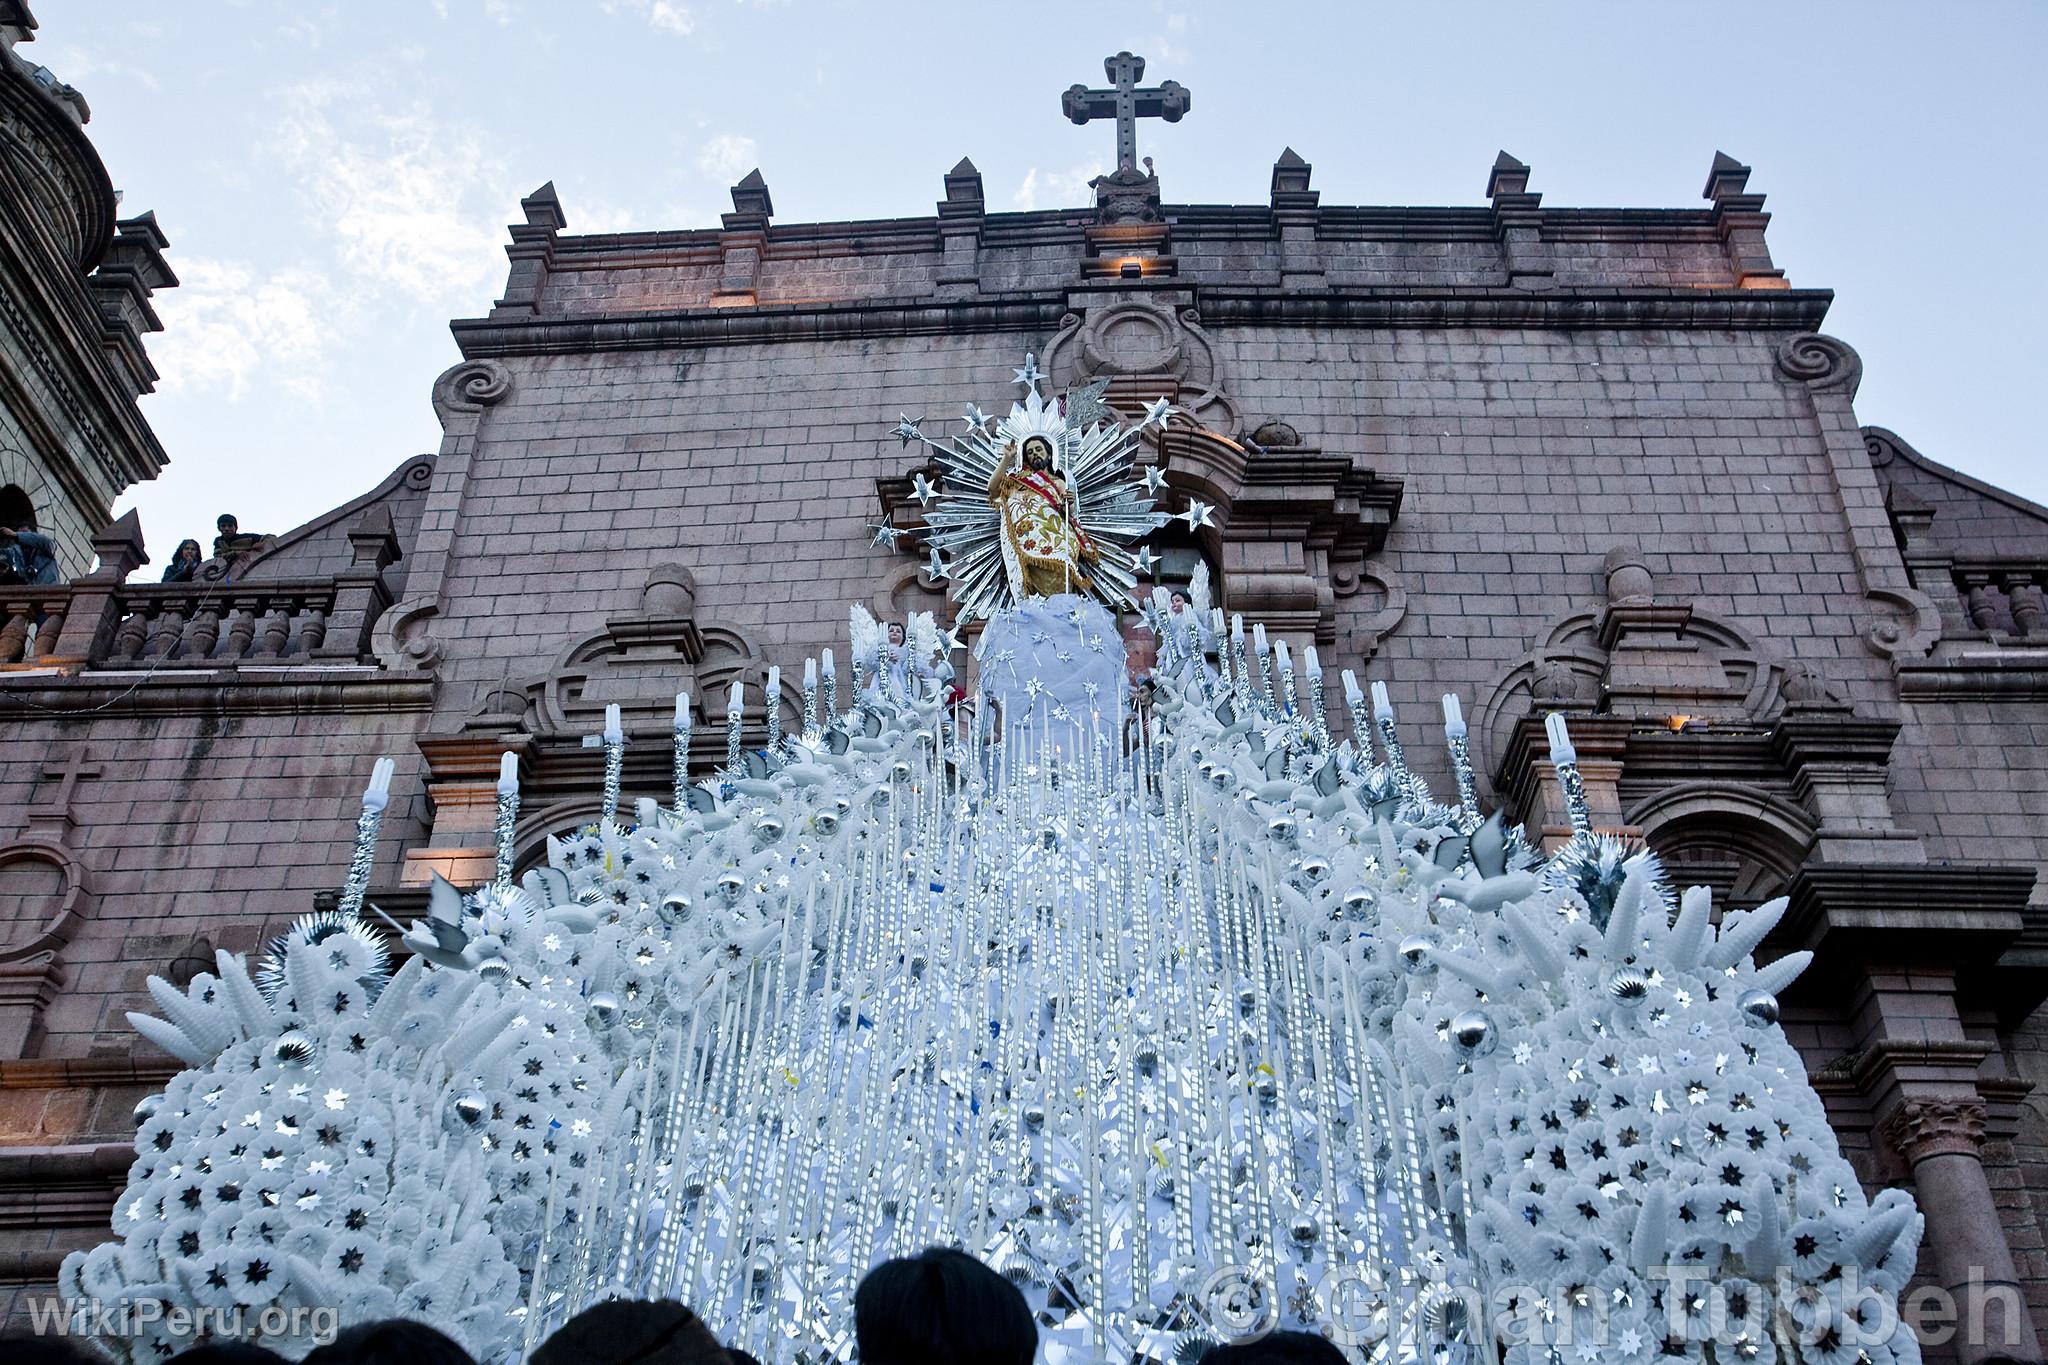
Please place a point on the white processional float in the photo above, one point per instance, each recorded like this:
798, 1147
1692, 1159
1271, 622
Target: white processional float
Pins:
1193, 1021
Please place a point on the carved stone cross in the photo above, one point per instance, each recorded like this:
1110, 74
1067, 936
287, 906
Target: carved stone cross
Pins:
1125, 103
51, 818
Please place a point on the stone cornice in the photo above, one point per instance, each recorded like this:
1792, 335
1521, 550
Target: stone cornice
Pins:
60, 1187
1609, 309
73, 1073
1194, 222
27, 697
1793, 310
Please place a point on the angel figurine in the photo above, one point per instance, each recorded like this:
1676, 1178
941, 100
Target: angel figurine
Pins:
904, 660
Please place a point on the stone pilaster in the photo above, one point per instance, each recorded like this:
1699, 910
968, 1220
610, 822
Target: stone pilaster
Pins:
743, 243
962, 215
1939, 1135
1518, 224
1295, 214
1740, 218
532, 253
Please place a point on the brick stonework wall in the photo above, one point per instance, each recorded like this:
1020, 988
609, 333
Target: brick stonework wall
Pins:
1532, 411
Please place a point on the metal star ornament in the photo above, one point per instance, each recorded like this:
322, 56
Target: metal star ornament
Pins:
1156, 413
1028, 373
1155, 479
907, 428
886, 536
921, 488
1197, 515
975, 418
936, 567
1144, 559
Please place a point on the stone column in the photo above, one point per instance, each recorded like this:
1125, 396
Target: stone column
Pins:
1939, 1137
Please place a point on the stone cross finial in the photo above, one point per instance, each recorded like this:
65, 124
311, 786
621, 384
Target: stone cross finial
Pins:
1125, 103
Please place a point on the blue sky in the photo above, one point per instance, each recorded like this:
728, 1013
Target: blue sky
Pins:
335, 178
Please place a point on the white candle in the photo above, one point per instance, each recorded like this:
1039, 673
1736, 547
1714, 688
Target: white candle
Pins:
1259, 639
1280, 652
1561, 750
1310, 664
736, 700
810, 674
1351, 693
830, 671
508, 774
773, 687
1382, 705
1216, 619
1237, 627
682, 710
1454, 716
378, 794
614, 732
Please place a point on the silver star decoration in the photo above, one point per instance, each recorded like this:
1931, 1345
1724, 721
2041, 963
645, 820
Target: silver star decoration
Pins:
1029, 373
886, 535
951, 640
1156, 413
1034, 687
1005, 656
1197, 515
922, 489
1143, 561
906, 428
1155, 478
936, 567
974, 417
1093, 689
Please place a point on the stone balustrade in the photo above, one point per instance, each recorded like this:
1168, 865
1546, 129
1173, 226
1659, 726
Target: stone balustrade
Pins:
275, 623
32, 623
208, 625
2002, 596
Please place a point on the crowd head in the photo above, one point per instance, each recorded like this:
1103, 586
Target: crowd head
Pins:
939, 1307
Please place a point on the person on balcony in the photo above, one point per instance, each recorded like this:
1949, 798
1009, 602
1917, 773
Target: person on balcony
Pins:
232, 546
27, 556
184, 565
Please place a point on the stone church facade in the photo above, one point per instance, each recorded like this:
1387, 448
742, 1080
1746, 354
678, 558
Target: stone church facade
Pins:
1602, 461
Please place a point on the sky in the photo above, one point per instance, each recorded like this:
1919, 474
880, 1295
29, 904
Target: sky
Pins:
335, 178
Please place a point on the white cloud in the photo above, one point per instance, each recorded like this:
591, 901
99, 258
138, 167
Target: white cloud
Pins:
726, 157
597, 216
75, 65
665, 15
1054, 189
411, 203
1171, 46
226, 323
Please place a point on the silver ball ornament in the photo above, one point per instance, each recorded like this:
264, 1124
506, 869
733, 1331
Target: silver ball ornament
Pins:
1415, 954
604, 1010
1759, 1009
466, 1112
1473, 1035
292, 1050
1628, 988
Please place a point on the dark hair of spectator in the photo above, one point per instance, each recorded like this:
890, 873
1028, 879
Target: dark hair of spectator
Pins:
394, 1341
1277, 1348
632, 1332
50, 1350
941, 1307
228, 1353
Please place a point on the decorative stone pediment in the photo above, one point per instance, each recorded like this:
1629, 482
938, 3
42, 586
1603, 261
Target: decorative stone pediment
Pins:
1146, 350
